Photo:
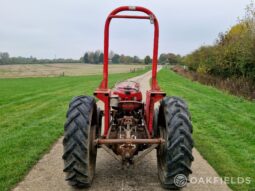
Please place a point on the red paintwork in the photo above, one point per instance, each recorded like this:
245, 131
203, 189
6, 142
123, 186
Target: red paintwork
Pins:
113, 14
153, 95
103, 95
130, 105
151, 98
128, 91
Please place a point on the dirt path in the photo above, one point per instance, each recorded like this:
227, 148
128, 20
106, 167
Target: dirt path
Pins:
47, 174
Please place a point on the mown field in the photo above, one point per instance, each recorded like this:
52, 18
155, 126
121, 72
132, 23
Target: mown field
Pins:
32, 114
72, 69
224, 126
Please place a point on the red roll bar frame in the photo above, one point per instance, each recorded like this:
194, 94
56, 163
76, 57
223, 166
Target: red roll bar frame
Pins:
153, 95
153, 19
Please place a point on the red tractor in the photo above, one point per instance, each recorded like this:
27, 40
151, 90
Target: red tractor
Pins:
132, 128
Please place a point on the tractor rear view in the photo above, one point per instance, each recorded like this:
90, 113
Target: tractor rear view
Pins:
132, 128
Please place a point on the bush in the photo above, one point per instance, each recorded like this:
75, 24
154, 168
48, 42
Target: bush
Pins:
233, 54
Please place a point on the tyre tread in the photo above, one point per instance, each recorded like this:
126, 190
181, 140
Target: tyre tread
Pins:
76, 141
179, 140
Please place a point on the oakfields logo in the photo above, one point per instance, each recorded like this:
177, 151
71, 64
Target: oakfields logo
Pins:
180, 180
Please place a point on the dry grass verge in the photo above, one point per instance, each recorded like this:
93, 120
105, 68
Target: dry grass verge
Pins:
237, 86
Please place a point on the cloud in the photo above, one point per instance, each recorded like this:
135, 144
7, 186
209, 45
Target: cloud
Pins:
69, 28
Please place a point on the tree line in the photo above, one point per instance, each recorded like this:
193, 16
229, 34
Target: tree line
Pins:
6, 59
232, 55
97, 57
91, 57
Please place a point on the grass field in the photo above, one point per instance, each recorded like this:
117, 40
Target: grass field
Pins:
224, 126
73, 69
32, 114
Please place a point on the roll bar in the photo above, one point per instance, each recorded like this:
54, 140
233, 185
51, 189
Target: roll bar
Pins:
150, 16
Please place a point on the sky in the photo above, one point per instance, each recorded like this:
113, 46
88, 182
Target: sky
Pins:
68, 28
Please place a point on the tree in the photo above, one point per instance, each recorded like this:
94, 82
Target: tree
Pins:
86, 58
169, 58
91, 57
136, 60
122, 58
147, 60
96, 57
4, 58
116, 59
163, 58
172, 58
128, 59
101, 58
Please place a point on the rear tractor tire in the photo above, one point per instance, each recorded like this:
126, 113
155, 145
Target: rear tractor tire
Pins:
79, 148
174, 157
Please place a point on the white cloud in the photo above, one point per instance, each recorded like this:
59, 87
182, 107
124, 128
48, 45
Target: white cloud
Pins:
68, 28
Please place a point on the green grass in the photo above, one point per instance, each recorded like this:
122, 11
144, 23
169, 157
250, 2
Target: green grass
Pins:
32, 114
224, 126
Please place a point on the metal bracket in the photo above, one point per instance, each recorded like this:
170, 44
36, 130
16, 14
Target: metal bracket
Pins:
139, 158
132, 8
129, 141
118, 158
151, 19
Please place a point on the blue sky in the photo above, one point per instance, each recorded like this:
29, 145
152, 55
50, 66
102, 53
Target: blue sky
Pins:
68, 28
